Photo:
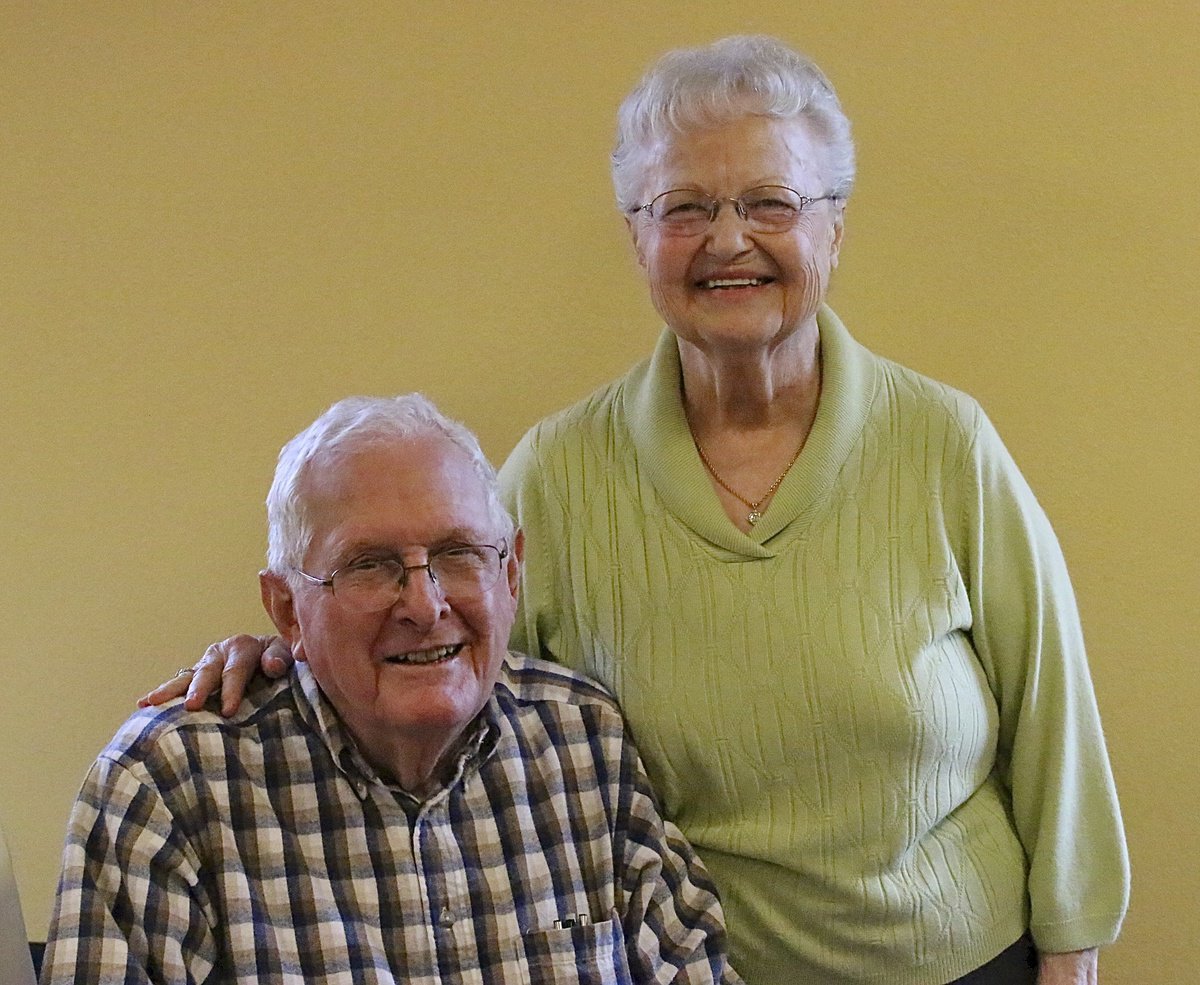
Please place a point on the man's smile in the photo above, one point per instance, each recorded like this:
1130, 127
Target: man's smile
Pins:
431, 656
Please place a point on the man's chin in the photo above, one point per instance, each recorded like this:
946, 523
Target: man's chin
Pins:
423, 712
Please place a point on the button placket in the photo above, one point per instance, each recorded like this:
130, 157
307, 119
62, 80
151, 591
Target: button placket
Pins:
448, 895
428, 879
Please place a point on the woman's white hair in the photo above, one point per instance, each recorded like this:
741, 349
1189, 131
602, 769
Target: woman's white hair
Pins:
346, 426
695, 88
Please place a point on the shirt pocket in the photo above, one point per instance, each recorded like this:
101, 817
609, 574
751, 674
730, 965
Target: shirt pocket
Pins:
592, 954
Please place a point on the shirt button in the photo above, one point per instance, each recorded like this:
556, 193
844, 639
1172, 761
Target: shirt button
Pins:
447, 918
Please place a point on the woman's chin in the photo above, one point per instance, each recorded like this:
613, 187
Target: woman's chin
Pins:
738, 332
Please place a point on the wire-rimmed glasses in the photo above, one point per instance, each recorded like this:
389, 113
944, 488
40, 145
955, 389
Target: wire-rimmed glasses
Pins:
376, 583
764, 208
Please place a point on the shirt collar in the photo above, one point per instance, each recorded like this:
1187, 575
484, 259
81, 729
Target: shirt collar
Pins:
477, 745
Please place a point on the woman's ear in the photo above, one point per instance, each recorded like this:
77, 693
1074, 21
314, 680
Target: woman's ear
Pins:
632, 226
280, 603
839, 228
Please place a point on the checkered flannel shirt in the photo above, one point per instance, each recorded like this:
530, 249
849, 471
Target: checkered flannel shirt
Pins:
264, 848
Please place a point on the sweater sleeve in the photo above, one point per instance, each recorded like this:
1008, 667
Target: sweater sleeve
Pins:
536, 629
1051, 751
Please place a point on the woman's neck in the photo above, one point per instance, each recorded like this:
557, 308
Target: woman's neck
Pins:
750, 413
732, 390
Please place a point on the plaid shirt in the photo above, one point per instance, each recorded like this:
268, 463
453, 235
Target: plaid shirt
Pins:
264, 848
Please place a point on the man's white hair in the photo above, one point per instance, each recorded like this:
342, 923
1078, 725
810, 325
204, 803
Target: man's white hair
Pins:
348, 424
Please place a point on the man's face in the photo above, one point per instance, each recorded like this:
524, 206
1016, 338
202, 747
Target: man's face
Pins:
420, 671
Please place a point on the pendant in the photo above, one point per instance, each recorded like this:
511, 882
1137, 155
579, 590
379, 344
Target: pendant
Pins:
753, 517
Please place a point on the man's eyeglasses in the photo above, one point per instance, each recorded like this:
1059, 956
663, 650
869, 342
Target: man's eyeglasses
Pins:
765, 209
459, 571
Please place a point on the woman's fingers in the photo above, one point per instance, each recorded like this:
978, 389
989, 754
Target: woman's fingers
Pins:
207, 678
171, 688
234, 662
277, 658
227, 666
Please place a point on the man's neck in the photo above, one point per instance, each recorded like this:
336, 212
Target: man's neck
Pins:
420, 764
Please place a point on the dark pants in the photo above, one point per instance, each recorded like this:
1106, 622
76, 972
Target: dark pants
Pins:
1016, 965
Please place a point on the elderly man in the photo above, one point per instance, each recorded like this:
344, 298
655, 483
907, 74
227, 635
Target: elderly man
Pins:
415, 804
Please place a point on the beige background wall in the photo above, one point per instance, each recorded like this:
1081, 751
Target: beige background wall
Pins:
216, 218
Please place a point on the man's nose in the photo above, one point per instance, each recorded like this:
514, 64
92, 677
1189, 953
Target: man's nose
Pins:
422, 601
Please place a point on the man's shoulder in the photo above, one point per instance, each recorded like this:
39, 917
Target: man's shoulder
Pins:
171, 729
530, 680
555, 719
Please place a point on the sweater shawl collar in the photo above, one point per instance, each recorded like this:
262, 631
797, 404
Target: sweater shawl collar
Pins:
653, 407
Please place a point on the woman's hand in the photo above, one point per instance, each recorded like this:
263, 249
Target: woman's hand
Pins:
229, 665
1068, 968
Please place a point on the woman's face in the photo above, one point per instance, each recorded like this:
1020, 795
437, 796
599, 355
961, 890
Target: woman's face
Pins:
729, 286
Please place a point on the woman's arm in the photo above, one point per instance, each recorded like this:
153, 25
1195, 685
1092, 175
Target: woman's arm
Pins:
1051, 751
522, 488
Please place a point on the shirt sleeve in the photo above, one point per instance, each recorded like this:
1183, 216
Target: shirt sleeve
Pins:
673, 923
129, 907
1051, 751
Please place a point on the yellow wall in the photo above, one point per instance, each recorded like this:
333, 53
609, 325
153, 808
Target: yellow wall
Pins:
219, 217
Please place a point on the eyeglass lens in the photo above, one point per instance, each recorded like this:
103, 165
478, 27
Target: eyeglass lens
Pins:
765, 207
459, 572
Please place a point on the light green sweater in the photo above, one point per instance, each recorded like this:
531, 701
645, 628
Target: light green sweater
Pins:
873, 715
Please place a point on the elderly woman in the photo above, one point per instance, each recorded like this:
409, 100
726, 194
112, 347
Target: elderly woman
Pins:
836, 618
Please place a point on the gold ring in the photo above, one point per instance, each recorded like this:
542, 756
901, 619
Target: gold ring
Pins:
185, 670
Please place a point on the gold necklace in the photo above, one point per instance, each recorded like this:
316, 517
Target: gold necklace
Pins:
755, 513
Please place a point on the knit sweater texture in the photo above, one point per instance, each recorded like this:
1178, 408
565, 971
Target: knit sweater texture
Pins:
872, 715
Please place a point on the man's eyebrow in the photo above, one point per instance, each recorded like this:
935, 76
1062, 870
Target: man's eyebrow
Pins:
453, 535
461, 535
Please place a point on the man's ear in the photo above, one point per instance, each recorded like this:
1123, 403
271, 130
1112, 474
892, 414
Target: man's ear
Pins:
280, 603
514, 562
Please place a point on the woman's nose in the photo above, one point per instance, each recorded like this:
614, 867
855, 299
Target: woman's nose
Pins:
728, 234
